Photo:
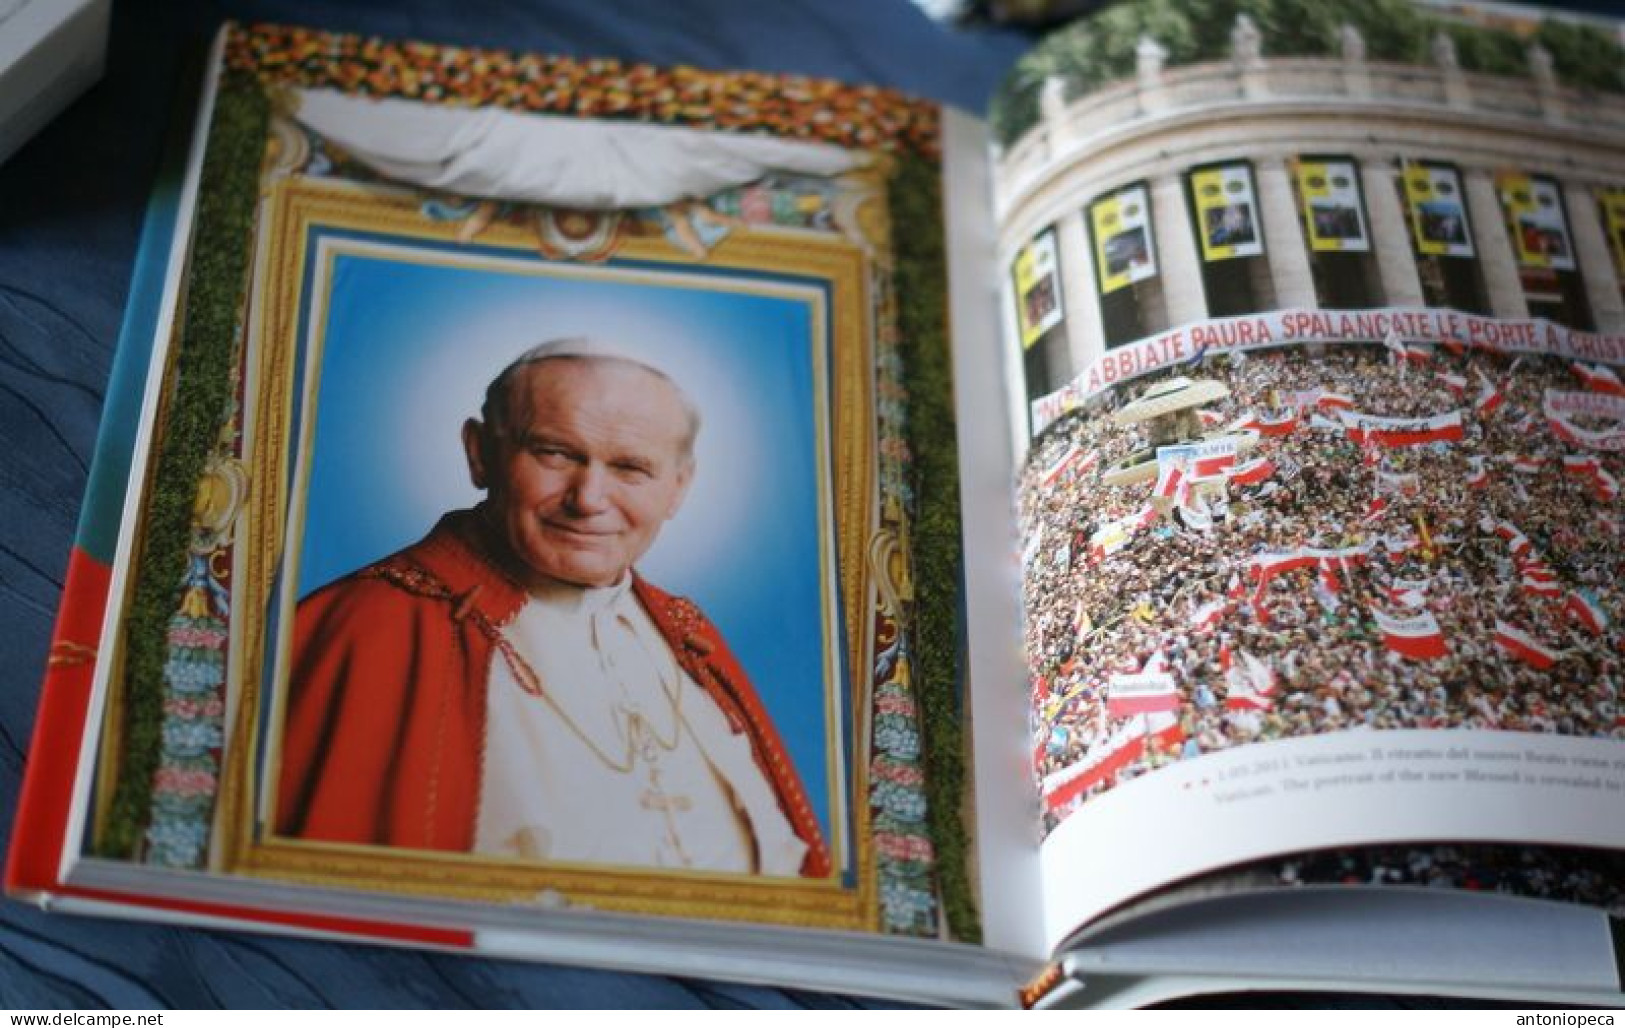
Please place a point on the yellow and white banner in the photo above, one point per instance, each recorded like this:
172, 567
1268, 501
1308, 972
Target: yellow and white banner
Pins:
1333, 211
1438, 219
1534, 209
1124, 250
1613, 214
1038, 288
1227, 212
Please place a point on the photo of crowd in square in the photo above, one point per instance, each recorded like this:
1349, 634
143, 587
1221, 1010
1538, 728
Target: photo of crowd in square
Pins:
1376, 536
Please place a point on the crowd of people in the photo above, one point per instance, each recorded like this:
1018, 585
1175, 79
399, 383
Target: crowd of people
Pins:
1590, 877
1489, 531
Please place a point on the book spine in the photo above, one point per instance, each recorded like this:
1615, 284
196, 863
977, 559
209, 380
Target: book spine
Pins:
39, 832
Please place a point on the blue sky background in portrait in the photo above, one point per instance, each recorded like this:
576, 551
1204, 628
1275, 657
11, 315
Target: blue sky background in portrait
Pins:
408, 351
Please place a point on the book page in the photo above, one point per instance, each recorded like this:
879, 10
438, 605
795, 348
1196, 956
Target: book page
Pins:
536, 467
1319, 506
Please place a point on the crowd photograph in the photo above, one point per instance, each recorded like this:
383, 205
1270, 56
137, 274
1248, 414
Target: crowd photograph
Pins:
1306, 540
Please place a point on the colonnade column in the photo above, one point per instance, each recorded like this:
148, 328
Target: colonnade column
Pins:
1595, 261
1284, 245
1178, 262
1085, 334
1390, 235
1495, 254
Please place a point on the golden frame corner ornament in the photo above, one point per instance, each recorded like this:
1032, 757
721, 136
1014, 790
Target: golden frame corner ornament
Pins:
292, 207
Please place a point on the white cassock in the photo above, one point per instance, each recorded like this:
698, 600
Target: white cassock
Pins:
624, 759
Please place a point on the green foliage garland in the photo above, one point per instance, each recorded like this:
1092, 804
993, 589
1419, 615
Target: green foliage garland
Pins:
198, 399
916, 202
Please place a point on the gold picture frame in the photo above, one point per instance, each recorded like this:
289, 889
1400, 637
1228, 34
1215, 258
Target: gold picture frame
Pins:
306, 222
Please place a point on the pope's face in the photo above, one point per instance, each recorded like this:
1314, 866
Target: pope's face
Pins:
591, 465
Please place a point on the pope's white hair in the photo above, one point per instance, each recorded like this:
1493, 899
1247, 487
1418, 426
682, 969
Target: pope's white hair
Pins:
496, 410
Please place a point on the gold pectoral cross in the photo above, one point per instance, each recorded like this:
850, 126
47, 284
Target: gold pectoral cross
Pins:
655, 797
648, 746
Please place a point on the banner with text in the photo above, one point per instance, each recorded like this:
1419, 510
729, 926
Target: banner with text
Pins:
1201, 460
1375, 430
1561, 406
1188, 344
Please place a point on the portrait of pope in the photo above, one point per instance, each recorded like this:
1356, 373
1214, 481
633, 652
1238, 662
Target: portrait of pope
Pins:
510, 686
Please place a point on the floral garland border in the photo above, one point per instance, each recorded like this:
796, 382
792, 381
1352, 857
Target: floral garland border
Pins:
786, 106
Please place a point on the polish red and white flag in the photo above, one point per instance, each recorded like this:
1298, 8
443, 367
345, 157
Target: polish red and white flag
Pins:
1535, 569
1172, 481
1328, 400
1455, 383
1604, 486
1490, 396
1265, 566
1563, 431
1479, 477
1515, 539
1370, 429
1127, 695
1208, 614
1073, 458
1417, 636
1407, 593
1259, 602
1524, 646
1250, 685
1583, 465
1401, 542
1281, 424
1539, 585
1111, 755
1587, 611
1374, 510
1253, 472
1211, 464
1404, 353
1328, 578
1599, 378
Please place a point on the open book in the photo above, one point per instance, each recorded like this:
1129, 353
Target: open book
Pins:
750, 526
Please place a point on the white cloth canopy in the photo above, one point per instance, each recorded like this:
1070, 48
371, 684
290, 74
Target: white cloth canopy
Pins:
562, 161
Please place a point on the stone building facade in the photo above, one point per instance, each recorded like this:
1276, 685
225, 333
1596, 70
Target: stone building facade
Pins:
1502, 197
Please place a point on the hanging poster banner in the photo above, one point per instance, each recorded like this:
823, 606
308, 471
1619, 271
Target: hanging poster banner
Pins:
1038, 288
1613, 213
1124, 251
1535, 214
1333, 213
1227, 212
1438, 220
